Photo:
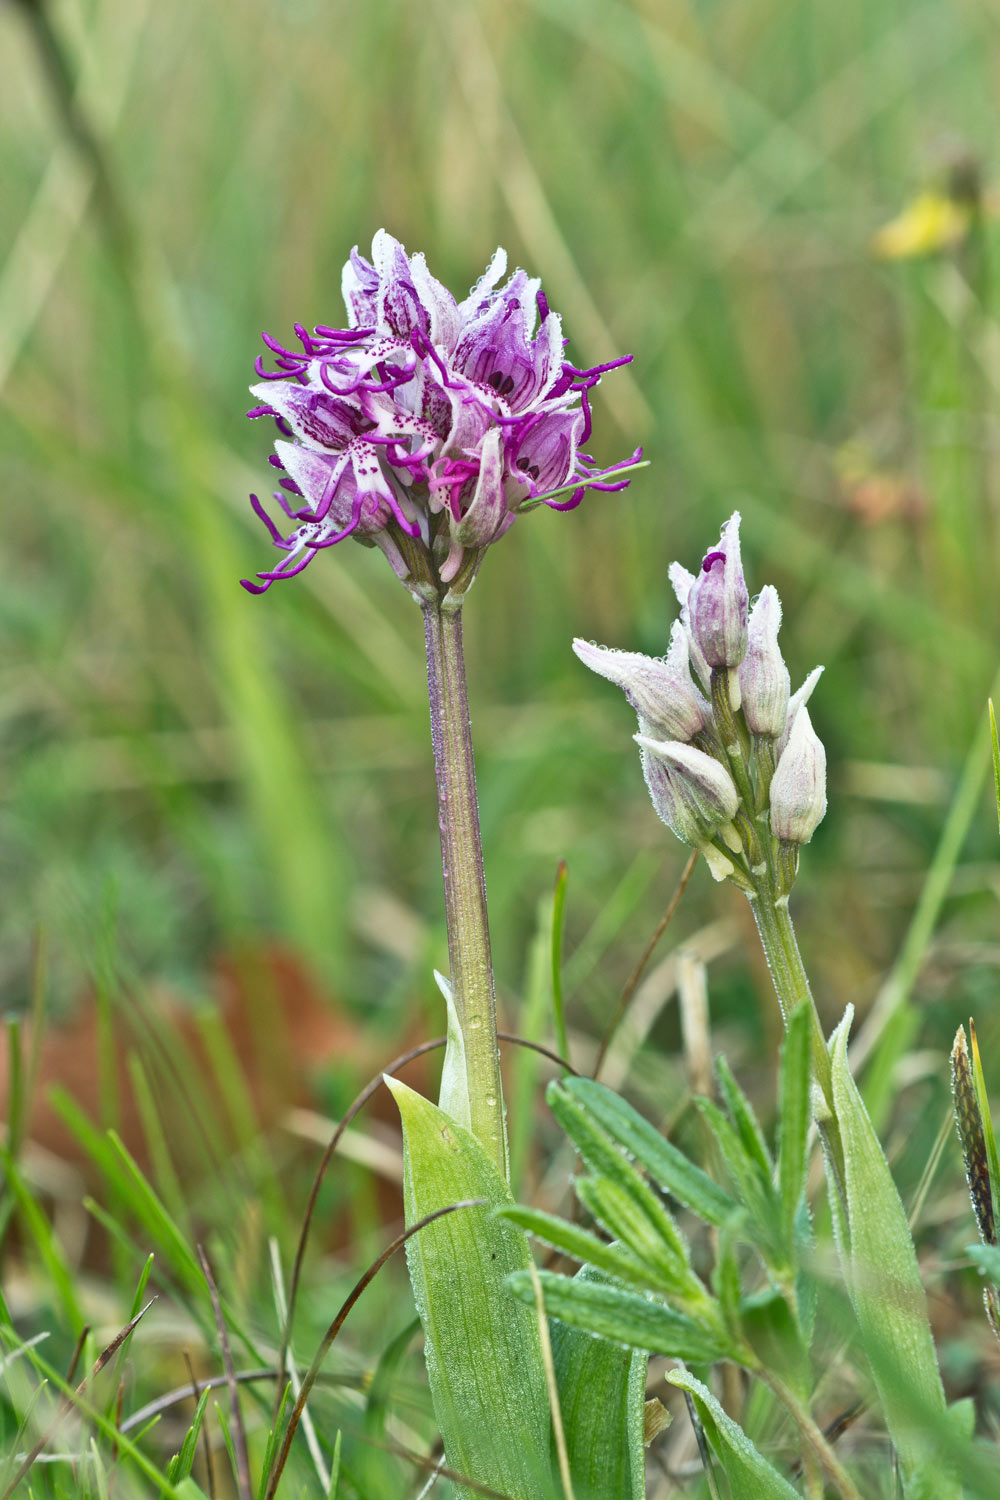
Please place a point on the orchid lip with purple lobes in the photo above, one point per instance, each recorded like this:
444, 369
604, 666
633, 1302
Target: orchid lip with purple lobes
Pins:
427, 424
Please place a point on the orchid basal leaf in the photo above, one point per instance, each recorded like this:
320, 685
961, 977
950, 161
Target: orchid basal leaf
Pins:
602, 1390
883, 1279
482, 1347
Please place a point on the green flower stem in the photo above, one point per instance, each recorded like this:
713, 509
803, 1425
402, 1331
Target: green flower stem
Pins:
791, 984
464, 882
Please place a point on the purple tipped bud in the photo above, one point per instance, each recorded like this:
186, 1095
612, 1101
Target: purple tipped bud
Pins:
798, 700
659, 689
693, 794
798, 791
718, 600
764, 681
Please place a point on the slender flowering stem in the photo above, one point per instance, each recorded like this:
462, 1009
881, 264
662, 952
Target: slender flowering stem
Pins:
464, 882
791, 985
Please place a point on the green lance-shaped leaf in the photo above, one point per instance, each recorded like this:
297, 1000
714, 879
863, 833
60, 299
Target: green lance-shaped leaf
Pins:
751, 1182
747, 1471
602, 1391
742, 1115
482, 1348
624, 1317
726, 1280
795, 1116
666, 1165
605, 1160
613, 1205
883, 1279
579, 1243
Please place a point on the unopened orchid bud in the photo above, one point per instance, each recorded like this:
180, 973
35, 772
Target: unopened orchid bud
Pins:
682, 581
693, 794
718, 600
660, 689
798, 790
764, 681
798, 700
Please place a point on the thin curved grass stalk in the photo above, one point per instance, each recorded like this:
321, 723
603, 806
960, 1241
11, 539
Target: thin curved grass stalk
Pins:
631, 984
309, 1379
239, 1427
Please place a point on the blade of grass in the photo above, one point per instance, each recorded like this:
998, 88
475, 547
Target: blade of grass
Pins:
888, 1027
558, 918
50, 1251
239, 1432
72, 1397
996, 756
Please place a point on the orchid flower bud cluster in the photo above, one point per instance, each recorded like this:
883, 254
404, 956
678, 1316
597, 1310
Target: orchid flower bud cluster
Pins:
427, 425
731, 760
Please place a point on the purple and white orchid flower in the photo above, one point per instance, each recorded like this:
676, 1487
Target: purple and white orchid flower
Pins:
426, 424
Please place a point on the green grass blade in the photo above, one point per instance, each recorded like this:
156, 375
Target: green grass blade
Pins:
558, 919
50, 1251
995, 741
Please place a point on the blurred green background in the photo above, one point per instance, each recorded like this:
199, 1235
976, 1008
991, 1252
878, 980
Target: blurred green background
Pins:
190, 774
697, 184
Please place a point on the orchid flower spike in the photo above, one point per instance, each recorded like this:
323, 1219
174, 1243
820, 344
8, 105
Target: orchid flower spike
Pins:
426, 425
730, 757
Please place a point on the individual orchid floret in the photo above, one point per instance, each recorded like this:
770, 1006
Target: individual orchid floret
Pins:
798, 700
717, 602
682, 582
798, 789
692, 792
427, 425
660, 689
764, 680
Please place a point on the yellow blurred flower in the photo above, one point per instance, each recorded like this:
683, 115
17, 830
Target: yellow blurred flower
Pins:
930, 223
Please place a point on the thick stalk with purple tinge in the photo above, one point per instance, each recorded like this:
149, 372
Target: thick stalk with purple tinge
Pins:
470, 962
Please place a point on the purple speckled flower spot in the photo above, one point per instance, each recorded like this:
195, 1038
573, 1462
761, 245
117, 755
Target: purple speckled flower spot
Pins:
425, 425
